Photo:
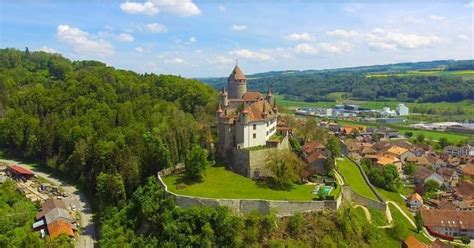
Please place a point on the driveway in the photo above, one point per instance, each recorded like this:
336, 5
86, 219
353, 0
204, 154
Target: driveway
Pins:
88, 236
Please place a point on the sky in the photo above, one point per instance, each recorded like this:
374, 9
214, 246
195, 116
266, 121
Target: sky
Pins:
195, 38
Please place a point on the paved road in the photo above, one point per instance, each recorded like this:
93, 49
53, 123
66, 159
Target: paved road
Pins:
88, 236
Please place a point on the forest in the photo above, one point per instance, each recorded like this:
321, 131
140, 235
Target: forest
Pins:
85, 118
315, 85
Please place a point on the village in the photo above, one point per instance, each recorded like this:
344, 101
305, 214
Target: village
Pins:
439, 183
354, 112
58, 214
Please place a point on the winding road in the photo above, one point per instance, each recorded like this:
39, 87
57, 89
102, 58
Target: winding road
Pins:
88, 236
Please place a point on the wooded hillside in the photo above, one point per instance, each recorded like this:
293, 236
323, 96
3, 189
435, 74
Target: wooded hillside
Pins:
85, 118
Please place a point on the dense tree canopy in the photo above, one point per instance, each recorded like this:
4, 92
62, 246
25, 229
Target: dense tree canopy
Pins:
85, 118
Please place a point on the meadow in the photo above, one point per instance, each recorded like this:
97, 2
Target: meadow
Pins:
221, 183
464, 74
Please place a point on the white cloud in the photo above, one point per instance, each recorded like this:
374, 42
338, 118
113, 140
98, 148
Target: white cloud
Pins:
156, 28
221, 60
336, 48
124, 37
82, 43
239, 27
248, 54
192, 39
463, 37
178, 7
305, 48
139, 49
175, 61
470, 4
352, 8
47, 49
221, 8
437, 17
147, 8
380, 38
299, 37
414, 20
343, 33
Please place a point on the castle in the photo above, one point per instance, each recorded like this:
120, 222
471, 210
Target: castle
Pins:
246, 119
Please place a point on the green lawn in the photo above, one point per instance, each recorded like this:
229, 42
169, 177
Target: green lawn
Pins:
353, 178
221, 183
378, 217
409, 229
291, 104
436, 135
395, 197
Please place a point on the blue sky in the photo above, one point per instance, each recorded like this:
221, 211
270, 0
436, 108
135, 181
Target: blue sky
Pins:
203, 38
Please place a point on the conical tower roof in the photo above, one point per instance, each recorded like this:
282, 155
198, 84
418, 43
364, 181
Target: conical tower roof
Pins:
237, 74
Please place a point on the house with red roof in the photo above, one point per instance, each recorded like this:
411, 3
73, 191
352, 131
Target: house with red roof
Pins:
19, 173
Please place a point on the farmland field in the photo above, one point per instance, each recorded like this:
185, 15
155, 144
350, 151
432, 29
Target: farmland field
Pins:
465, 74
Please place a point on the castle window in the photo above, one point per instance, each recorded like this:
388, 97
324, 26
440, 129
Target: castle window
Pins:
254, 135
254, 126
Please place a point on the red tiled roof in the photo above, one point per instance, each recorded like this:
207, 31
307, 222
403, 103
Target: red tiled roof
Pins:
251, 96
416, 196
468, 170
256, 110
49, 205
466, 189
20, 170
311, 146
412, 242
59, 227
448, 218
237, 74
315, 156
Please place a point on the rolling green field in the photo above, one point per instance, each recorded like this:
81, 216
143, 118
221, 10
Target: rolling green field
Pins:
465, 74
221, 183
353, 177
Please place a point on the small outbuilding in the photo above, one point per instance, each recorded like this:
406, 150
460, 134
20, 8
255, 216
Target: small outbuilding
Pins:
19, 173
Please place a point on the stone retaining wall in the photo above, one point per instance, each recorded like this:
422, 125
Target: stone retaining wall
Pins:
243, 206
367, 181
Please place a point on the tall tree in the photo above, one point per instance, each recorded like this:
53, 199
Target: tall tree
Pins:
285, 167
196, 162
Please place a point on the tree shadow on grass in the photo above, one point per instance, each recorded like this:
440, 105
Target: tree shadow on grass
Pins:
269, 183
186, 181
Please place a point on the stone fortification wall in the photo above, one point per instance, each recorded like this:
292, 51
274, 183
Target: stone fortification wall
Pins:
244, 206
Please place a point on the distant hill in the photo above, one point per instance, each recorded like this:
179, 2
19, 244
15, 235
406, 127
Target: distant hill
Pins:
430, 81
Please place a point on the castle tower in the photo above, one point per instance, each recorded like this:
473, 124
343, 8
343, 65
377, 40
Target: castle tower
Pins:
223, 98
236, 83
269, 96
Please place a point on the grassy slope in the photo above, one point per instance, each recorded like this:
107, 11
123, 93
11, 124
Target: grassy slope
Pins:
220, 183
354, 178
395, 197
409, 229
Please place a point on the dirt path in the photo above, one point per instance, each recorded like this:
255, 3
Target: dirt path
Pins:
88, 236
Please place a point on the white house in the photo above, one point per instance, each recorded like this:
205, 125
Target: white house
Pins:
415, 202
402, 109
